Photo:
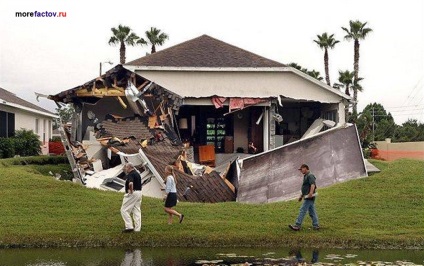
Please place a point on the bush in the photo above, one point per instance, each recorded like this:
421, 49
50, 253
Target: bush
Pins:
7, 148
56, 148
55, 139
27, 143
38, 160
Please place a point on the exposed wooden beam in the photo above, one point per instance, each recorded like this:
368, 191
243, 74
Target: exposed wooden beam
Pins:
101, 92
143, 85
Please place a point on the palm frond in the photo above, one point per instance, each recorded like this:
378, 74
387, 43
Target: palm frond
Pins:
113, 40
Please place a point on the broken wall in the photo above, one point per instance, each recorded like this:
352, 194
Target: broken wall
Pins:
333, 156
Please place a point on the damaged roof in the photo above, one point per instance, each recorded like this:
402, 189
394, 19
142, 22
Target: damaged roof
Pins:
111, 84
207, 188
205, 51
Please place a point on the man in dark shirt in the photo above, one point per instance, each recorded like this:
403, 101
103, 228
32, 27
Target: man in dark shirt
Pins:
131, 204
308, 193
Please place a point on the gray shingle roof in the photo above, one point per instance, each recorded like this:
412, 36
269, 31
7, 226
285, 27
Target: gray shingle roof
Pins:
205, 51
12, 98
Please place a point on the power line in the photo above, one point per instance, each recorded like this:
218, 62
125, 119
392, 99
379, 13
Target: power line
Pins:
409, 106
409, 110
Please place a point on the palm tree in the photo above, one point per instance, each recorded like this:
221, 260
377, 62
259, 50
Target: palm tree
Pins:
155, 37
356, 32
324, 42
315, 74
123, 36
346, 78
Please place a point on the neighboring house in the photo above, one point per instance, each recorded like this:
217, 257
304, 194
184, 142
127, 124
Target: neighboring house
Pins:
16, 113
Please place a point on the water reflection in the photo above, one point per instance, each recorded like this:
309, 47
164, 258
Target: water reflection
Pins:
300, 258
206, 256
132, 258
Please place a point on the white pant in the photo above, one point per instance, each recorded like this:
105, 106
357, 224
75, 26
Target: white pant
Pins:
132, 204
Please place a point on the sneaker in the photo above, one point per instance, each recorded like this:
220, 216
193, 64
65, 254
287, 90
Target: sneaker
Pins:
127, 230
181, 218
315, 227
294, 227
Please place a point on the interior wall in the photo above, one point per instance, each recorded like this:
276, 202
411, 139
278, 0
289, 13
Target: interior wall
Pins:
241, 125
107, 105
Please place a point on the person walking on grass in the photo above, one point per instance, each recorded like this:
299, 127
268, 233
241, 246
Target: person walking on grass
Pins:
308, 194
131, 204
170, 197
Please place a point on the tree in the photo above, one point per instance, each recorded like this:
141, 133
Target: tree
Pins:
313, 73
155, 38
357, 32
411, 130
123, 36
326, 42
374, 123
346, 79
65, 113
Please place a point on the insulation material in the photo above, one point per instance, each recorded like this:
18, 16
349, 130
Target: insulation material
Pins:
333, 156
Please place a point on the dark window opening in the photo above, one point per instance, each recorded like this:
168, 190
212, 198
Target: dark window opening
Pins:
7, 124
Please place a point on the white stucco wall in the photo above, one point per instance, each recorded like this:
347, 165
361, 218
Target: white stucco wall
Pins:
26, 120
243, 84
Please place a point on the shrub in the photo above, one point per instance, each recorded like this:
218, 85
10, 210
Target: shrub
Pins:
27, 143
38, 160
56, 148
7, 148
55, 139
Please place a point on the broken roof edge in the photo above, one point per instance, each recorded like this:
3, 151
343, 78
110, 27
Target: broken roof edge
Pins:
59, 97
206, 100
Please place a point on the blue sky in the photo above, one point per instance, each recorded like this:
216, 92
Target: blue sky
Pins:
48, 55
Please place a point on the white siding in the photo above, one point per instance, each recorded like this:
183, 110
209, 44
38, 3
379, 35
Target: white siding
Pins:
26, 120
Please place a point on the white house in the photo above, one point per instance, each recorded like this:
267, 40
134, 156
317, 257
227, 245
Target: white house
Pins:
16, 113
215, 97
218, 81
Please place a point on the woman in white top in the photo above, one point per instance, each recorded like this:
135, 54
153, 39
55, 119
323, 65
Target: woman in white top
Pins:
171, 194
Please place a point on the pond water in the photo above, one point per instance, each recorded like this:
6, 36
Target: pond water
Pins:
206, 256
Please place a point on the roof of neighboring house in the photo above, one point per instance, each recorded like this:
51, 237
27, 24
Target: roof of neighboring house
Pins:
205, 51
8, 97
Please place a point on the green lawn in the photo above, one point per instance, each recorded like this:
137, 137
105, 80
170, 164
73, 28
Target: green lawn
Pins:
385, 210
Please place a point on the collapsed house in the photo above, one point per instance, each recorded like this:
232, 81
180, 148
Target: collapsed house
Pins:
192, 105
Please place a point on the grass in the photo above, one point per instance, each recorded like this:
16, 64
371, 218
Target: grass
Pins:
385, 210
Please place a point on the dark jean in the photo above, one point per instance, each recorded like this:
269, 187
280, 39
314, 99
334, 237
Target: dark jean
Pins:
308, 205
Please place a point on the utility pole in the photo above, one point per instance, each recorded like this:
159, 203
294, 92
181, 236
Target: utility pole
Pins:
373, 123
100, 66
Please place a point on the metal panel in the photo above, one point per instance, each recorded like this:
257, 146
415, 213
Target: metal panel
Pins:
333, 156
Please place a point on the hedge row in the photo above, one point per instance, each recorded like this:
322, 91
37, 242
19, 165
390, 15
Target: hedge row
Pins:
38, 160
23, 143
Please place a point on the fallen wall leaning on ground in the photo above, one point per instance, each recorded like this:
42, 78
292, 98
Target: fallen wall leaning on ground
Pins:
333, 156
